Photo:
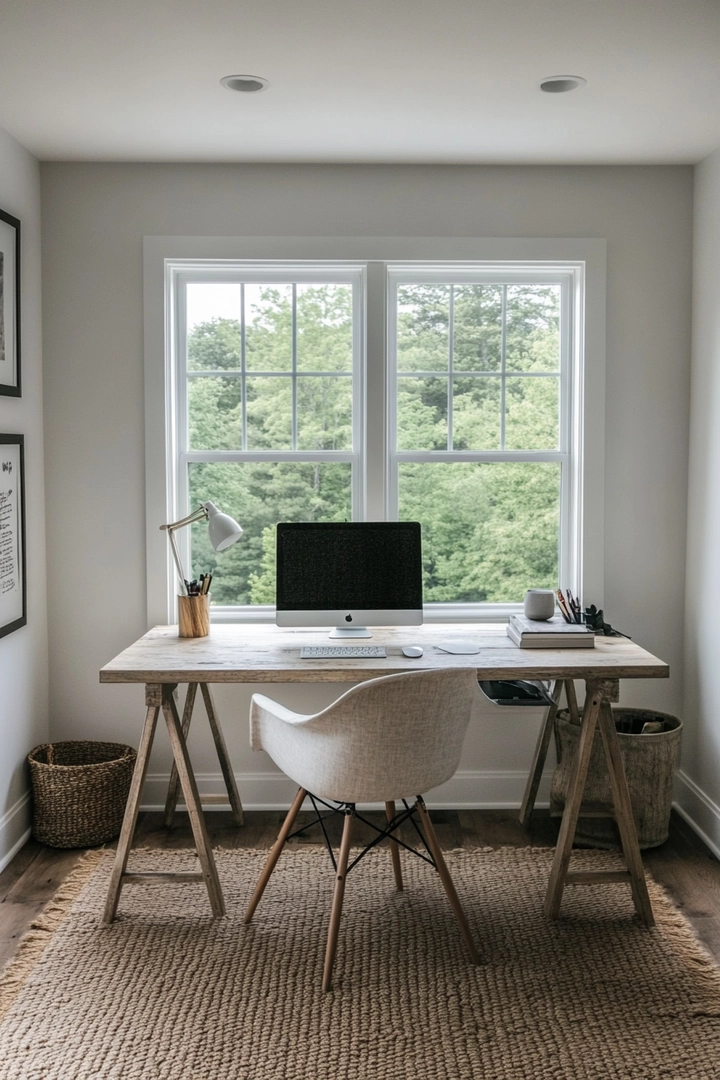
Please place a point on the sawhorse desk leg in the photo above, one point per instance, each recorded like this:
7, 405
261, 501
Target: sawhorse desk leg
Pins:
160, 696
597, 713
541, 749
223, 758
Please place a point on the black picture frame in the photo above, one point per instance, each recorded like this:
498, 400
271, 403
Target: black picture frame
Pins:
10, 382
13, 571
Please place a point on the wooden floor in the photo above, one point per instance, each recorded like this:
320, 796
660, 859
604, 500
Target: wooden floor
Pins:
683, 864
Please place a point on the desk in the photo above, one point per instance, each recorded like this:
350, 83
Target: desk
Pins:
267, 654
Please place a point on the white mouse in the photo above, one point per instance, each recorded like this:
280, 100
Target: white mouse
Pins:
412, 650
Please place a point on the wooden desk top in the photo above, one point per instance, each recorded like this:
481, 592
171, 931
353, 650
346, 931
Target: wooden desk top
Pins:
263, 653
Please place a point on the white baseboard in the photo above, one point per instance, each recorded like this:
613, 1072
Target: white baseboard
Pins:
469, 790
14, 829
699, 810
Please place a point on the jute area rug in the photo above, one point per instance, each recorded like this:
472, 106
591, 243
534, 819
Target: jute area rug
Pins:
168, 993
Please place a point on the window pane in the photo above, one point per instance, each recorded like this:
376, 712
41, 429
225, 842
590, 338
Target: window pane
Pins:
533, 328
476, 413
258, 496
324, 328
422, 414
215, 413
490, 531
423, 320
269, 413
324, 413
214, 344
531, 413
268, 327
477, 327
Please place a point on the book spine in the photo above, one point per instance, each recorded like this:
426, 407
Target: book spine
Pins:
568, 643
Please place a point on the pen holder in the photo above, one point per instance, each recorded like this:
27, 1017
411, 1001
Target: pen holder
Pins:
194, 616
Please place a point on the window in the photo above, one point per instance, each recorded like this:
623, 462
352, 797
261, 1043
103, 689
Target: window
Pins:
480, 426
449, 392
268, 409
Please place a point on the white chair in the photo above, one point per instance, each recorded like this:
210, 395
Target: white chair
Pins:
387, 739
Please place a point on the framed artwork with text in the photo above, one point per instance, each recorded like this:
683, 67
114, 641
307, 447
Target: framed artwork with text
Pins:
13, 601
9, 305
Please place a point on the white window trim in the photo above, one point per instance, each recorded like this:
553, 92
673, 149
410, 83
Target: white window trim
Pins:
587, 258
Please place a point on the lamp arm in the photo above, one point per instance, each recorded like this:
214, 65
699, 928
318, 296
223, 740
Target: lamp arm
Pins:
196, 515
178, 564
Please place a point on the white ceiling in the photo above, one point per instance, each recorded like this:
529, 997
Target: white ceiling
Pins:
362, 80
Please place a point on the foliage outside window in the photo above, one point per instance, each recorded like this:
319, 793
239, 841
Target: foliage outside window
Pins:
271, 426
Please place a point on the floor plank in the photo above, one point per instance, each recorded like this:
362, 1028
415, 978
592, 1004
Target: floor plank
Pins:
44, 876
17, 867
683, 865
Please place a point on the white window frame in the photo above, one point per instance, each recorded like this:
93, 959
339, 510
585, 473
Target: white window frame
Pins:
582, 553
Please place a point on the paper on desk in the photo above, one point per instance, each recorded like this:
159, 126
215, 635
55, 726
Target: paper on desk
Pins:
459, 648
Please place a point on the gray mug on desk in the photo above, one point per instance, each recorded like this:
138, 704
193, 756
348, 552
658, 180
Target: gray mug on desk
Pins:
539, 604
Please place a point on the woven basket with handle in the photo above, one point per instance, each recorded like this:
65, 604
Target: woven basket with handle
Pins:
79, 791
649, 761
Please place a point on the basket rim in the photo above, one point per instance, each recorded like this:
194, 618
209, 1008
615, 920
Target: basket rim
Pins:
562, 715
124, 752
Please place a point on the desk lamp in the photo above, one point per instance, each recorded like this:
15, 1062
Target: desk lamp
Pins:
222, 530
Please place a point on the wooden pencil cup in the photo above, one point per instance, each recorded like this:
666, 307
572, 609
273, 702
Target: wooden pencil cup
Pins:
194, 616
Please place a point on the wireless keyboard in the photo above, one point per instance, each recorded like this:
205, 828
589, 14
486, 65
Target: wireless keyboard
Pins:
341, 652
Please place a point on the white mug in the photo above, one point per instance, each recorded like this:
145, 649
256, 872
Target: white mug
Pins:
539, 604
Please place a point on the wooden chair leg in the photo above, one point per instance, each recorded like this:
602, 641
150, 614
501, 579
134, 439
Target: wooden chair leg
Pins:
624, 815
394, 848
192, 801
275, 853
436, 852
133, 803
174, 785
541, 749
223, 757
337, 903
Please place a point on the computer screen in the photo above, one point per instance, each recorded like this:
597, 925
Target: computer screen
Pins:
349, 575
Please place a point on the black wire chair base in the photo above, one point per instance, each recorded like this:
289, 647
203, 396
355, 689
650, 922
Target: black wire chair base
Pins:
408, 814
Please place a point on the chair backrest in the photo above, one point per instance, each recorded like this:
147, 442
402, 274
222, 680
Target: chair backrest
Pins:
389, 738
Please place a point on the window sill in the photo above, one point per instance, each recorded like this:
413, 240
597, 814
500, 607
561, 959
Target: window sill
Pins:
432, 613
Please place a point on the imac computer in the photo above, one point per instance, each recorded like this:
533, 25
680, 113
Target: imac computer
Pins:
349, 575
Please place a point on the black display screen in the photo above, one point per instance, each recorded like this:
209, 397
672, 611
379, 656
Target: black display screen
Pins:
367, 565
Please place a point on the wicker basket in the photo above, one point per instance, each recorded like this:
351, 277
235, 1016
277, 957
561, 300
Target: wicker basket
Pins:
649, 761
79, 791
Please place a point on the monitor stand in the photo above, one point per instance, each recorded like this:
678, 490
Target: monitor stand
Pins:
350, 632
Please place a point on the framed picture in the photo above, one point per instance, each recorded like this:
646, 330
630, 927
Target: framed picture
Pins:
13, 602
9, 305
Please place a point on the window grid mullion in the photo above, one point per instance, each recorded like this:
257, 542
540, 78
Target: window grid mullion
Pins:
439, 374
233, 373
451, 368
471, 456
295, 366
243, 370
503, 346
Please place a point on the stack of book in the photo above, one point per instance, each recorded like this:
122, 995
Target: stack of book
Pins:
552, 633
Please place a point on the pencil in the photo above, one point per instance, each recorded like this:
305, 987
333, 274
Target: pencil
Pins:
563, 606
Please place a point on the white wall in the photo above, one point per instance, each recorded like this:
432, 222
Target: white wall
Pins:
94, 219
23, 654
699, 790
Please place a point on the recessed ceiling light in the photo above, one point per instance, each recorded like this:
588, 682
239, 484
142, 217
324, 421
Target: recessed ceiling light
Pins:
561, 84
245, 84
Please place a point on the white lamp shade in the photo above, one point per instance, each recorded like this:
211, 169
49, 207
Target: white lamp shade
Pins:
223, 530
